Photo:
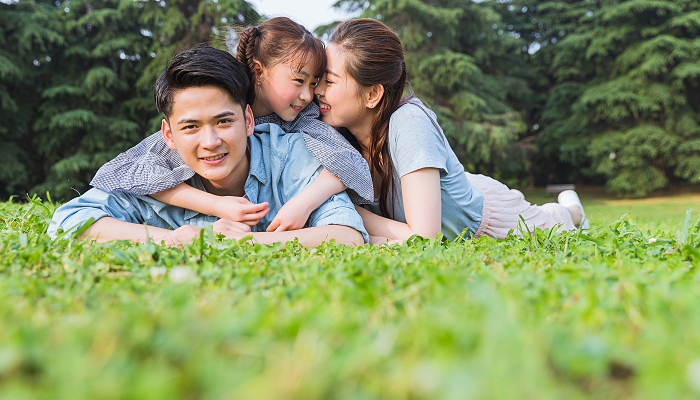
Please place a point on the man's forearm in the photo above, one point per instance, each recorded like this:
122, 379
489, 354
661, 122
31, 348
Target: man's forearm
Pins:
107, 229
310, 237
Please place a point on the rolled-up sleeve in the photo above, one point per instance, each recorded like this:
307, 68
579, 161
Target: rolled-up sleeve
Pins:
338, 210
299, 171
95, 204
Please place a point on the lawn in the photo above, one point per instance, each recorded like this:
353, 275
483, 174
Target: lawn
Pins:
609, 314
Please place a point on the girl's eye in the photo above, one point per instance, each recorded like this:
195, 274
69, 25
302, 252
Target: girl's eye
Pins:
328, 82
301, 81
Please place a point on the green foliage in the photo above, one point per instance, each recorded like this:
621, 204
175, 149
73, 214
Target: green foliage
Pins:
543, 91
78, 75
608, 314
621, 91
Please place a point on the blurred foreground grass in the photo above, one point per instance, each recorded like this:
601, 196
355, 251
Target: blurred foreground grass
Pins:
610, 314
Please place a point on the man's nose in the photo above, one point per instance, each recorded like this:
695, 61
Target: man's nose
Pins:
210, 138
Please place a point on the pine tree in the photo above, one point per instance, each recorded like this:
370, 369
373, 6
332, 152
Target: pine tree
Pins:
27, 32
622, 102
94, 64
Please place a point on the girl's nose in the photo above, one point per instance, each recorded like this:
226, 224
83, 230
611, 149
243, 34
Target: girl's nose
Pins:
306, 94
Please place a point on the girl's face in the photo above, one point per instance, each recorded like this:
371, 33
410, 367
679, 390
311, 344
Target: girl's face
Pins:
284, 89
340, 97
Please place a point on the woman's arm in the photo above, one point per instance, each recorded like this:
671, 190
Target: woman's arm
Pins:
422, 206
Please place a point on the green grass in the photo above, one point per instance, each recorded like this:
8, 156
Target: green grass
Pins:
609, 314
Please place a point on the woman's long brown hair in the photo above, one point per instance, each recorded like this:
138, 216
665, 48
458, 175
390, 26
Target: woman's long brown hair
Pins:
279, 40
374, 55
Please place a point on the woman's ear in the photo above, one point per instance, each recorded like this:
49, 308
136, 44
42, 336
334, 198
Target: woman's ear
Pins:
374, 95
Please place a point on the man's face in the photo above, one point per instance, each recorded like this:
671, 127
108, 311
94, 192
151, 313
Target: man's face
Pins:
209, 131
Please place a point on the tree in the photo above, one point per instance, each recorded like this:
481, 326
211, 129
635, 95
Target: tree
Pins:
622, 99
27, 32
92, 83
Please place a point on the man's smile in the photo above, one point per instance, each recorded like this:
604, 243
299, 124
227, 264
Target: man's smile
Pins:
215, 158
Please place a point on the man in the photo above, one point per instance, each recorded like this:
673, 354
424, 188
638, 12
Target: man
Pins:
202, 95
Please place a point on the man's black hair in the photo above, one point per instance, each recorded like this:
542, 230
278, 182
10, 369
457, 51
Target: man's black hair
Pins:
202, 66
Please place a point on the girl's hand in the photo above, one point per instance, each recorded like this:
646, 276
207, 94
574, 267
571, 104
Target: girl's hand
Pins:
239, 209
293, 215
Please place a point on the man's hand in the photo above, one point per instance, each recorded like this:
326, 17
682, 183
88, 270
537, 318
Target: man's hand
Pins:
293, 215
230, 229
179, 237
239, 209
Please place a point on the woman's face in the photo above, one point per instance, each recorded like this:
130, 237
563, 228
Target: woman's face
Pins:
339, 95
284, 89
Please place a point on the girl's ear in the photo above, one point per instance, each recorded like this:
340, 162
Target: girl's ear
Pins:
374, 95
258, 71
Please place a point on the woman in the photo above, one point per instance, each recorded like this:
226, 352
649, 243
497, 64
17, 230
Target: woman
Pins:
422, 187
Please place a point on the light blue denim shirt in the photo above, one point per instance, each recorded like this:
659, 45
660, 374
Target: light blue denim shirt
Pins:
280, 168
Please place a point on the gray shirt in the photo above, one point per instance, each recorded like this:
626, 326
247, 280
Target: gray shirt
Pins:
415, 143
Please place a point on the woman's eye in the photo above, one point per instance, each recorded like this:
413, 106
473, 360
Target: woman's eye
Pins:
301, 81
328, 82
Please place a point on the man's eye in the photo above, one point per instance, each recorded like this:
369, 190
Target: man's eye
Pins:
189, 127
226, 121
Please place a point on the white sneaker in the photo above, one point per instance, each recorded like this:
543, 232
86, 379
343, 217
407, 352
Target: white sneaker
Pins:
570, 198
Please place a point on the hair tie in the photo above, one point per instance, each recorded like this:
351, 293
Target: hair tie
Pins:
256, 31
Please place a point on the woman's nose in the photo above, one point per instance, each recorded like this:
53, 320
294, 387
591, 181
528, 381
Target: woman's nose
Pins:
320, 89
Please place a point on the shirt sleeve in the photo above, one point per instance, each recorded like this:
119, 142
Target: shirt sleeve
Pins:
335, 153
300, 170
415, 142
147, 168
338, 210
95, 204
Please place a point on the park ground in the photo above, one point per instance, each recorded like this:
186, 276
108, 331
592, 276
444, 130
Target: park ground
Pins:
612, 313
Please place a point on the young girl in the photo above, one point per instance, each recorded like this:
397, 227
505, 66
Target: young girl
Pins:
284, 62
422, 187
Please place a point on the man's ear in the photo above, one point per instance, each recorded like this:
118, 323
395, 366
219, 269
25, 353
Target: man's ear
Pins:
374, 95
249, 120
167, 134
